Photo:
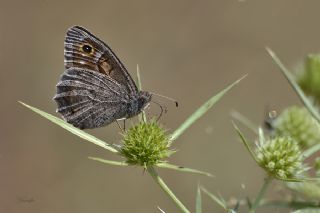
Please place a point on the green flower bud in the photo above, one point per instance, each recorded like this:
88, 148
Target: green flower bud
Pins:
280, 157
297, 123
145, 144
309, 78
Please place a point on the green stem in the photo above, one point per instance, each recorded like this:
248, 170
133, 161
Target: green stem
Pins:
262, 191
142, 116
166, 189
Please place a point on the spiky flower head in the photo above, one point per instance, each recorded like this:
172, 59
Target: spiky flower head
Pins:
145, 144
297, 123
309, 77
280, 157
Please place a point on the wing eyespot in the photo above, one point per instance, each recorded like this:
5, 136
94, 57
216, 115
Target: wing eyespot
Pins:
87, 48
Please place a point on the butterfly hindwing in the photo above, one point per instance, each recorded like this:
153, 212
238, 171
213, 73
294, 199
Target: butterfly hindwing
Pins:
88, 99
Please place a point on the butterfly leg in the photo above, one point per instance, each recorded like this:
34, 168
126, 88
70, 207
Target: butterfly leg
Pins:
124, 125
123, 130
161, 110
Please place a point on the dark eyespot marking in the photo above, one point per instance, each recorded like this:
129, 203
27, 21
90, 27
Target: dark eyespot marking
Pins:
87, 48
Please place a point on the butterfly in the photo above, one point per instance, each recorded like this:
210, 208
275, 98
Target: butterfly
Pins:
95, 88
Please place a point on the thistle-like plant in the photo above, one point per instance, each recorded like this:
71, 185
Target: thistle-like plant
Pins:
146, 144
282, 155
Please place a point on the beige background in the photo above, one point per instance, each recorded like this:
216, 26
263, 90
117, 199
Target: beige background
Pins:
188, 50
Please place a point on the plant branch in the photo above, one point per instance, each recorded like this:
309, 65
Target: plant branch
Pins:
166, 189
261, 193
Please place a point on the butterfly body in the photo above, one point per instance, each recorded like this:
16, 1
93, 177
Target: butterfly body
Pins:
95, 89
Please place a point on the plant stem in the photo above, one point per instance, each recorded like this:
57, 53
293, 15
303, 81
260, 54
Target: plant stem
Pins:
166, 189
142, 116
261, 193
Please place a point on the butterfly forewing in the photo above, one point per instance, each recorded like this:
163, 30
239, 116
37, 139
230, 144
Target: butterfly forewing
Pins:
83, 49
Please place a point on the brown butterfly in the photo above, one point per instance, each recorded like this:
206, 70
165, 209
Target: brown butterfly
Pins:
95, 89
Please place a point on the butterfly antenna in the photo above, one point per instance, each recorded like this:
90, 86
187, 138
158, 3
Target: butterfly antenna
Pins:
171, 99
161, 108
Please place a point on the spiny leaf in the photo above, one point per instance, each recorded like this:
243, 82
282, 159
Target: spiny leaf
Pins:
198, 200
314, 149
110, 162
314, 112
182, 169
219, 201
201, 111
244, 120
245, 142
72, 129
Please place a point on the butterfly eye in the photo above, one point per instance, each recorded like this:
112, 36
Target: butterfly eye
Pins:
87, 48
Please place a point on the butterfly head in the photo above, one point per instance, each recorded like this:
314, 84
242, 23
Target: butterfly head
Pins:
144, 100
138, 104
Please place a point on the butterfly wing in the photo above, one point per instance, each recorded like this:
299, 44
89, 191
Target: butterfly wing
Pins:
84, 50
88, 99
96, 89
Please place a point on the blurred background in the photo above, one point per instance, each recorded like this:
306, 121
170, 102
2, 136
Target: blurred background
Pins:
188, 50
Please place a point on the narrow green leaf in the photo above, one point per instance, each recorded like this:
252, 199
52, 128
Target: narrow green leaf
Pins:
294, 179
307, 210
161, 210
307, 189
298, 179
262, 139
245, 121
219, 201
290, 204
139, 78
310, 151
198, 200
182, 169
245, 142
110, 162
201, 111
72, 129
314, 112
142, 116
